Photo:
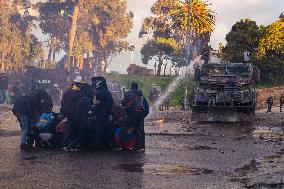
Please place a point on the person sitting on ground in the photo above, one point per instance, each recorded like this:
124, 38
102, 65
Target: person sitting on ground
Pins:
68, 107
137, 109
101, 110
27, 109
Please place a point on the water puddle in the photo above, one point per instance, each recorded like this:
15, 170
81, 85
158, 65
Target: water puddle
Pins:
161, 169
269, 133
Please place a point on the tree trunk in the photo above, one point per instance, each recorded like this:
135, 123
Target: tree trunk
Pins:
165, 67
72, 37
54, 56
159, 66
49, 54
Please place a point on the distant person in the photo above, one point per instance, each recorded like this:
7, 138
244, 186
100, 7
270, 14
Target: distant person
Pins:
183, 103
27, 109
137, 108
102, 110
269, 102
4, 87
281, 102
16, 91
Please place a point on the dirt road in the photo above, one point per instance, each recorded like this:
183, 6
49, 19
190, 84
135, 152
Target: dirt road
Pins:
179, 154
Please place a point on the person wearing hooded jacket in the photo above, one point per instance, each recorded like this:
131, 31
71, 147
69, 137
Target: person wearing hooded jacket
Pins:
101, 110
83, 107
27, 109
68, 107
137, 108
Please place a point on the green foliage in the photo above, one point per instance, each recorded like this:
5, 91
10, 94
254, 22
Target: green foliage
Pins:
244, 36
16, 40
102, 26
169, 22
161, 48
272, 41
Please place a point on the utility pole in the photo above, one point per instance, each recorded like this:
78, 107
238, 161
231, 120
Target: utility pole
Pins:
72, 37
187, 48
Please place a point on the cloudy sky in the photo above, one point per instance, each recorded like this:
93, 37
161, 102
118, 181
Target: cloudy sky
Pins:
228, 12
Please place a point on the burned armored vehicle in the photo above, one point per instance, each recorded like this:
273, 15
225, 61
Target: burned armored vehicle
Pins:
225, 93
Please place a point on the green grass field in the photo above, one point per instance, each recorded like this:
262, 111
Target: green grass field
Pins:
146, 82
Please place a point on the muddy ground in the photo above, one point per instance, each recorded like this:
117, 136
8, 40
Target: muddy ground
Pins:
179, 154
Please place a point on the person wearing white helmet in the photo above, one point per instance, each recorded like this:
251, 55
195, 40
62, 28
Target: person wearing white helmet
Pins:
68, 107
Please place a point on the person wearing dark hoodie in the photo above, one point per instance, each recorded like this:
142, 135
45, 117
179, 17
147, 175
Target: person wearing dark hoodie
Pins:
137, 108
84, 106
27, 109
68, 107
101, 110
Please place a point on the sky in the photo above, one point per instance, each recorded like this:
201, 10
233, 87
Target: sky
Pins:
228, 12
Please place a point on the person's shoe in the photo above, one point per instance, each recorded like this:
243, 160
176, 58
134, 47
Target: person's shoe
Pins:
26, 147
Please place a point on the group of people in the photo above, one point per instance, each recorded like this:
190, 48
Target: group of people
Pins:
90, 112
269, 102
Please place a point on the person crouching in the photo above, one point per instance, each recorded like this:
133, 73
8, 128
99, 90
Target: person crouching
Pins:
27, 109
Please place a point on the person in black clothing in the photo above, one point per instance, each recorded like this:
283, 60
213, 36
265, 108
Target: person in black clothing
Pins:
68, 108
84, 106
4, 87
101, 110
281, 102
27, 109
269, 102
137, 109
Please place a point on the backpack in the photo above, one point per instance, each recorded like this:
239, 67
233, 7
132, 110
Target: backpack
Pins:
45, 122
136, 104
126, 140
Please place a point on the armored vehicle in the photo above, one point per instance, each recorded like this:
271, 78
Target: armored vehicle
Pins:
225, 93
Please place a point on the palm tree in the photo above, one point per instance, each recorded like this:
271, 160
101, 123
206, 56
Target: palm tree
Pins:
202, 18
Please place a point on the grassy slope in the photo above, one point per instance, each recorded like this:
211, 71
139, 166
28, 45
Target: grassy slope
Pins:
146, 82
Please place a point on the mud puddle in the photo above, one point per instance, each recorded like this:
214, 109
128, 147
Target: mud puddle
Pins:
161, 169
267, 186
275, 133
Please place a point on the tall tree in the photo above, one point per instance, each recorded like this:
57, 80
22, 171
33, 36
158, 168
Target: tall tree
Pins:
272, 41
102, 27
16, 40
169, 21
244, 36
160, 49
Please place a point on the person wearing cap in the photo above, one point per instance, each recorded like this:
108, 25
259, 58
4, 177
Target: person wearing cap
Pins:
69, 102
102, 110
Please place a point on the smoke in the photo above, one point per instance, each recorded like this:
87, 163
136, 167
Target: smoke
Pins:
175, 83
